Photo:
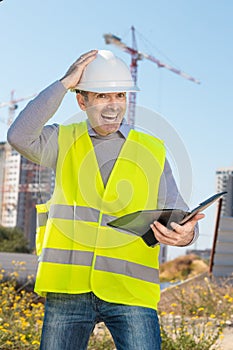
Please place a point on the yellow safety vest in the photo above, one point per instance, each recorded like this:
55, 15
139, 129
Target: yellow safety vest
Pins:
78, 251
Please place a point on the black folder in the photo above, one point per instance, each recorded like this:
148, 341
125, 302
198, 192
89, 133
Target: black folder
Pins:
139, 222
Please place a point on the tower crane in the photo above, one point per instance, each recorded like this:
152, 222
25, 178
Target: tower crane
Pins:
135, 57
13, 105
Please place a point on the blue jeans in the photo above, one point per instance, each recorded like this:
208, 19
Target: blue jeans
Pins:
70, 319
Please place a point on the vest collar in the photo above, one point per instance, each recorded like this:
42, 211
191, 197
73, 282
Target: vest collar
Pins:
124, 129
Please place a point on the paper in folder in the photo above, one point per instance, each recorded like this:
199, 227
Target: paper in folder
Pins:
139, 222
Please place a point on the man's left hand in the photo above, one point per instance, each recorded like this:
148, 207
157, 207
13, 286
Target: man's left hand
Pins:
180, 235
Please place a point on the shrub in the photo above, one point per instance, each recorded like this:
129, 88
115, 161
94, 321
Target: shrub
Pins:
13, 240
20, 315
197, 315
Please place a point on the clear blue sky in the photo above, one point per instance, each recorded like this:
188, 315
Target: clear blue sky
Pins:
39, 40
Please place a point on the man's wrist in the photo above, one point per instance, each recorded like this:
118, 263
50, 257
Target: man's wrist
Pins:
64, 83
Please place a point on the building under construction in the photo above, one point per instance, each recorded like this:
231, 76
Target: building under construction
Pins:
23, 184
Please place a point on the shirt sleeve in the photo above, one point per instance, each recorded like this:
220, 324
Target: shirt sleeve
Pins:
169, 196
29, 135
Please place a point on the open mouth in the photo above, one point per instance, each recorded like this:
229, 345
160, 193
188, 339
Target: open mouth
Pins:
109, 117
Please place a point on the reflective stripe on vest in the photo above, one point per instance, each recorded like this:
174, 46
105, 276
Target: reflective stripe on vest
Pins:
42, 219
127, 268
102, 263
63, 256
70, 212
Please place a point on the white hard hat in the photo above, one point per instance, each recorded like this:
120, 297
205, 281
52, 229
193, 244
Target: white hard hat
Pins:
106, 73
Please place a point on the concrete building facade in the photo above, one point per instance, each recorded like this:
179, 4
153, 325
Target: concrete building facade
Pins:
224, 182
222, 264
223, 255
9, 186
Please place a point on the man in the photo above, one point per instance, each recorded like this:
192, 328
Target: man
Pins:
88, 271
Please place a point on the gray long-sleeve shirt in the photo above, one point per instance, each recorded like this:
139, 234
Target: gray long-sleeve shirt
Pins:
39, 142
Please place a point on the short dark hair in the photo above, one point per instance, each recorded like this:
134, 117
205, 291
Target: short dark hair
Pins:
83, 93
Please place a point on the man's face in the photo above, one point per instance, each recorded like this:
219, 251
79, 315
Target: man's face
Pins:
105, 111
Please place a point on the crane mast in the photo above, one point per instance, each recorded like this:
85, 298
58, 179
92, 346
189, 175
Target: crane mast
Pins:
13, 105
133, 69
135, 57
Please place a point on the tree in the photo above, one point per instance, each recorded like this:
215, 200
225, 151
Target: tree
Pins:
13, 240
